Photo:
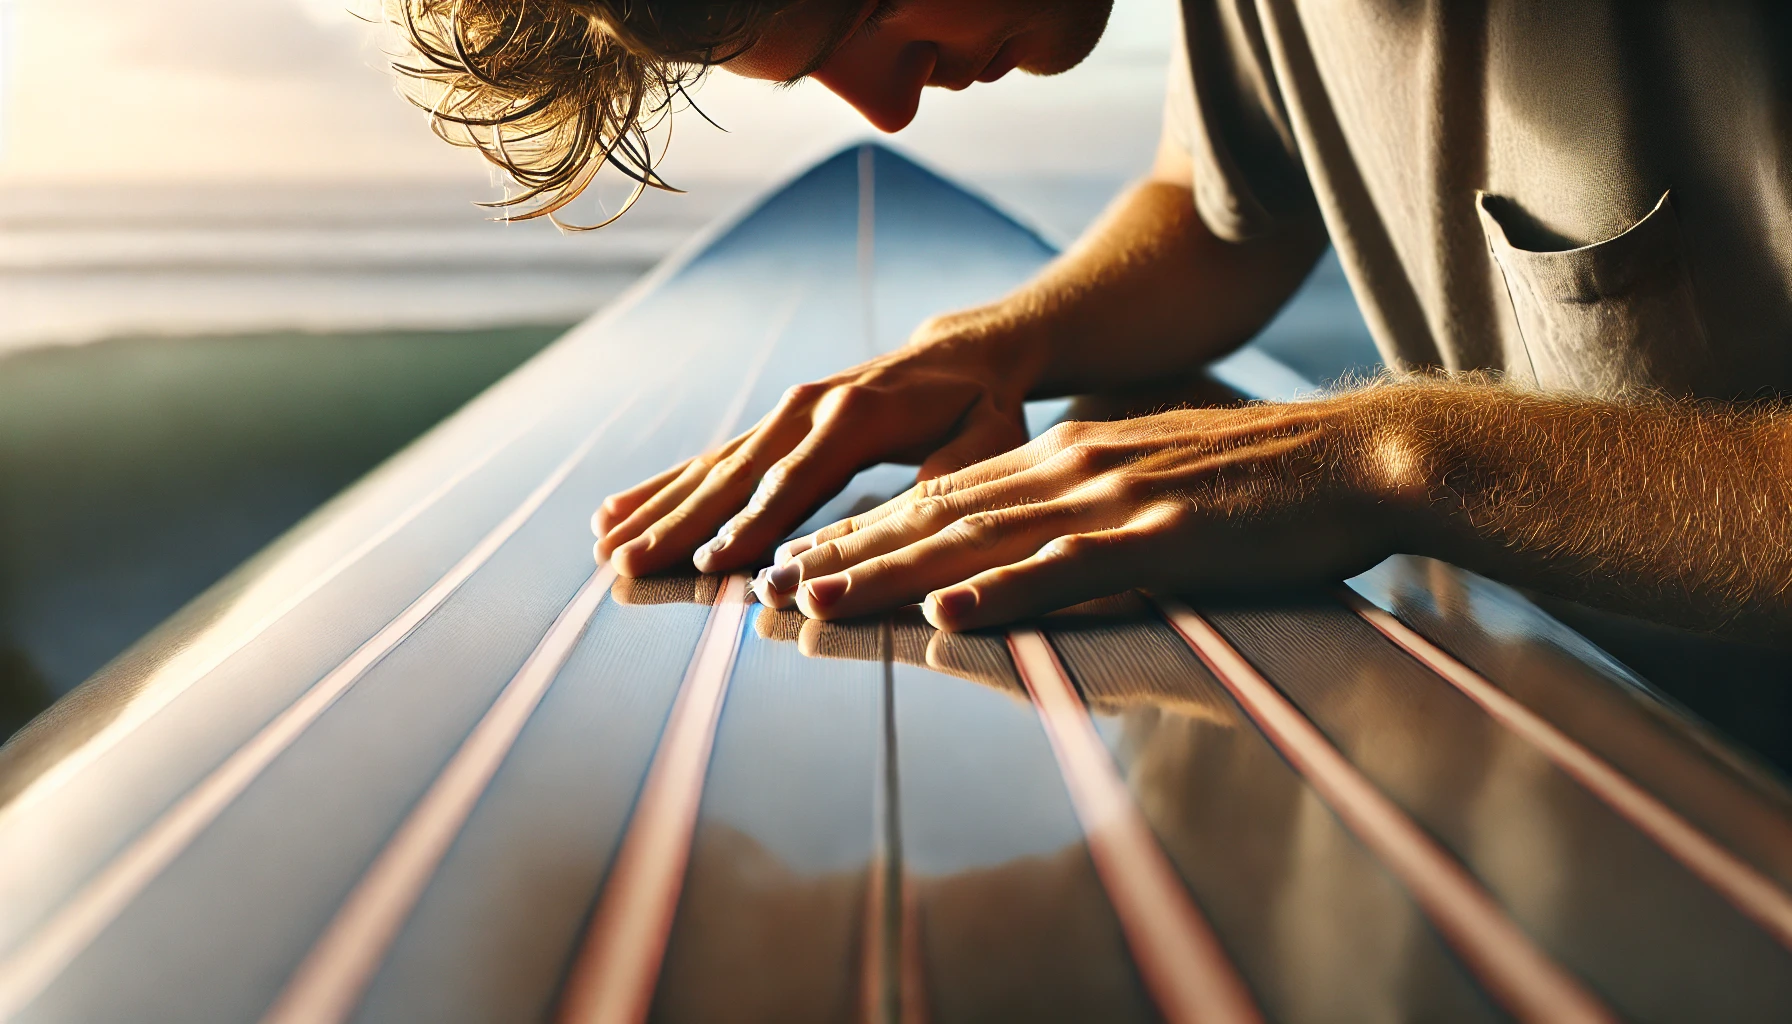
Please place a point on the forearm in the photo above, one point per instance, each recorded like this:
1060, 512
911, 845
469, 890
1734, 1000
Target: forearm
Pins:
1674, 511
1148, 291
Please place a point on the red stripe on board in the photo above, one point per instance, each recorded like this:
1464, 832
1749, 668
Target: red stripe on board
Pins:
1747, 889
910, 977
1524, 980
872, 996
1181, 961
330, 982
907, 1003
613, 977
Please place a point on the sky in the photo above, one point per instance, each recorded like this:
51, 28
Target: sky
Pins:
197, 90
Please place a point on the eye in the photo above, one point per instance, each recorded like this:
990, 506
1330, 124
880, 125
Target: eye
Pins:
879, 14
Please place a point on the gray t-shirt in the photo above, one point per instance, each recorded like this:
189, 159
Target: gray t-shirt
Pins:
1592, 195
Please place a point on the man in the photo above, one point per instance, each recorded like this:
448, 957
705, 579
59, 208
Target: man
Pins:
1591, 201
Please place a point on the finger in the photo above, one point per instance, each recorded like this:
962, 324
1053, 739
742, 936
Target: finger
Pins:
777, 589
797, 545
669, 526
986, 433
735, 481
630, 535
1067, 571
622, 504
1051, 445
848, 432
932, 506
973, 544
771, 596
643, 504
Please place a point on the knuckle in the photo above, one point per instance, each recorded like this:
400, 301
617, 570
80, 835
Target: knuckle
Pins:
1068, 547
1064, 433
806, 393
979, 530
775, 477
731, 466
931, 510
1175, 515
819, 557
1133, 488
851, 400
936, 487
1086, 457
766, 489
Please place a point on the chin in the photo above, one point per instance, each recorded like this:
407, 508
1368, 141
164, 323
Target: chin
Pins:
1069, 38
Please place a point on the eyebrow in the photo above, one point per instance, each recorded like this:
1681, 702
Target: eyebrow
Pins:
835, 38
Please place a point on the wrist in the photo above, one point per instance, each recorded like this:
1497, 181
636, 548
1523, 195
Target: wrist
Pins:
1000, 346
1395, 460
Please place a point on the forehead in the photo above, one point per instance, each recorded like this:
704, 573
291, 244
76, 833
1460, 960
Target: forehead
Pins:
799, 39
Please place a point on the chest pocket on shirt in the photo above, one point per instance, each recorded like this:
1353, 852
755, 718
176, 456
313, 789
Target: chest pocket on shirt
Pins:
1610, 317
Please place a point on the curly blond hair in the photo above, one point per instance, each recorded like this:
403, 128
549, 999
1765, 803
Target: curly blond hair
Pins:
552, 91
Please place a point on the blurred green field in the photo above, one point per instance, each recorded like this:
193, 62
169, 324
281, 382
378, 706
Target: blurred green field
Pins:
135, 473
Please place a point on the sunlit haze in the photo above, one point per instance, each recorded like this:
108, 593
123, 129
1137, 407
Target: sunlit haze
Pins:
285, 89
201, 166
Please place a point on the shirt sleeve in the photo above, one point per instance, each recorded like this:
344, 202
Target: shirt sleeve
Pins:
1223, 107
1179, 99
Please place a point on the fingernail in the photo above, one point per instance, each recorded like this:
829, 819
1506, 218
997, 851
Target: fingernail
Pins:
827, 590
633, 548
717, 545
784, 576
951, 604
792, 548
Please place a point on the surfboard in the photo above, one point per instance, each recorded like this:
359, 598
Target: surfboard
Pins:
422, 760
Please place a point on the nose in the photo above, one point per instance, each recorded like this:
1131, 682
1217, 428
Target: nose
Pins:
882, 82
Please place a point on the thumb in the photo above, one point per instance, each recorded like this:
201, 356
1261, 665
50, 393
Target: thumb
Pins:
986, 432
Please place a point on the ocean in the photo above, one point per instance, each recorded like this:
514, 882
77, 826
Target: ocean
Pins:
88, 263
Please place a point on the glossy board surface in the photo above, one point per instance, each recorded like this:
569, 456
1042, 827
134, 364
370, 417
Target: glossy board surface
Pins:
418, 762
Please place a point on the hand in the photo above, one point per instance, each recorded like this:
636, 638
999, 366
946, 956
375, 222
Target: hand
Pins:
1238, 500
950, 398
